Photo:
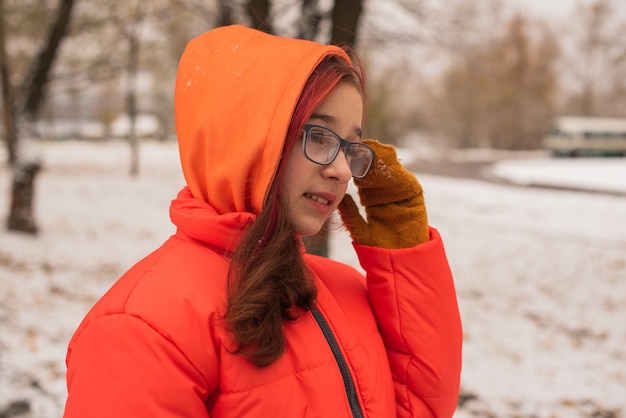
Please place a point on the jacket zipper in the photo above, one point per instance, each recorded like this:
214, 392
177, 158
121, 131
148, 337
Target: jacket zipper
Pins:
348, 383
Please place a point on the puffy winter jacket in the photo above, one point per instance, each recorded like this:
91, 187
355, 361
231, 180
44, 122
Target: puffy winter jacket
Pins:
384, 345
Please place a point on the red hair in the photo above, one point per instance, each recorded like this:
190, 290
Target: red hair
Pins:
268, 279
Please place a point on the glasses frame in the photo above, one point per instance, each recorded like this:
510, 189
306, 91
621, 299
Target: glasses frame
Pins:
343, 144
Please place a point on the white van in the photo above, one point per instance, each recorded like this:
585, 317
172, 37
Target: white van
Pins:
573, 136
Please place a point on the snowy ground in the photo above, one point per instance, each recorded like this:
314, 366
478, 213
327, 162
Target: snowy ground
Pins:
541, 276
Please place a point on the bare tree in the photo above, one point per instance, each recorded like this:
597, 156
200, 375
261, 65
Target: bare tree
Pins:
523, 89
130, 25
25, 169
501, 93
136, 25
8, 115
595, 61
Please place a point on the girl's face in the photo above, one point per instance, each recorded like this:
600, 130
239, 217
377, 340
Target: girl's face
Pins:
312, 191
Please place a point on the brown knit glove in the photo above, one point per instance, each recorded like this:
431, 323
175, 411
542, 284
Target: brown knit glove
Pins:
393, 201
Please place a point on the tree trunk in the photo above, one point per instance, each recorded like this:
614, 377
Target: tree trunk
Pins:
131, 101
259, 11
8, 111
25, 168
225, 17
22, 192
346, 15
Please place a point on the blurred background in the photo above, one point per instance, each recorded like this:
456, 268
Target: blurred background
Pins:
456, 74
89, 165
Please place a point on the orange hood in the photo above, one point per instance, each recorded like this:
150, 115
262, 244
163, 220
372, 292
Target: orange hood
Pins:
236, 90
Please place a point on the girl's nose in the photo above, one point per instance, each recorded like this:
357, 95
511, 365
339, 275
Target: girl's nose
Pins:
339, 168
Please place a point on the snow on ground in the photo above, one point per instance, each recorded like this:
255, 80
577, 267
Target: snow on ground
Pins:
600, 174
540, 275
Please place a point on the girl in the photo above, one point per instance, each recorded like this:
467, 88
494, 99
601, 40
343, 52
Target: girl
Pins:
230, 317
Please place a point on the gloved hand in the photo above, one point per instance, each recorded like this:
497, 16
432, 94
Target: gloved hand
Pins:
393, 201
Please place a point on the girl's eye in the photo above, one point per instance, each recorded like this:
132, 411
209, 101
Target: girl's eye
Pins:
316, 137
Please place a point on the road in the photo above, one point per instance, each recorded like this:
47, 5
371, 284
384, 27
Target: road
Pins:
461, 169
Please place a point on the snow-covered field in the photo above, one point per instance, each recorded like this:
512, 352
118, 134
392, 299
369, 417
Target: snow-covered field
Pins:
541, 276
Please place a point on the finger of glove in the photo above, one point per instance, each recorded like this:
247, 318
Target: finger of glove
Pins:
388, 180
352, 219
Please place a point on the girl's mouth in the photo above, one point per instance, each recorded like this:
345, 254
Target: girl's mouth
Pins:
318, 199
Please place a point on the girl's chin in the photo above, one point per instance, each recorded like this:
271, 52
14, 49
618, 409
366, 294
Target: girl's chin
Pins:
308, 230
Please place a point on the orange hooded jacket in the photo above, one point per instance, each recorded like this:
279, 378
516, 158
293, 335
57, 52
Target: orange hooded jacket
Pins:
154, 345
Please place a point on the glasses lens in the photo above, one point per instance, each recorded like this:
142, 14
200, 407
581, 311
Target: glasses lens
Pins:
360, 158
321, 145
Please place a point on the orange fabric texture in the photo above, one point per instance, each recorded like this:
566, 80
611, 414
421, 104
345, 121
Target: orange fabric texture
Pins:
155, 344
235, 93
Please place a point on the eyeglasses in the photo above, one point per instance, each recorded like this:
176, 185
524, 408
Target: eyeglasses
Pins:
321, 145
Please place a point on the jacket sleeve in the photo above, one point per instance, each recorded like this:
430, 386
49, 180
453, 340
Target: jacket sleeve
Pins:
119, 366
414, 301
